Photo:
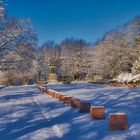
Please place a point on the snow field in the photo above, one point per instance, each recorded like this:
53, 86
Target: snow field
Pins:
26, 113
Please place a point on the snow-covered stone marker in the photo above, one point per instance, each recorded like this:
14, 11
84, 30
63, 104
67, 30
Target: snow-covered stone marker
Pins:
61, 96
57, 95
118, 121
41, 88
75, 102
97, 112
67, 99
50, 92
53, 95
46, 91
84, 106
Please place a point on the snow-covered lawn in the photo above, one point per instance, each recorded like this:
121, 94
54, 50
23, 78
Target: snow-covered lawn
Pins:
28, 114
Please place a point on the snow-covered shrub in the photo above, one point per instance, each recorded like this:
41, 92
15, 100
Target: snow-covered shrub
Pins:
136, 78
127, 78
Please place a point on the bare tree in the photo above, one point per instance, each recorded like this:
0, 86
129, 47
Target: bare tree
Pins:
73, 56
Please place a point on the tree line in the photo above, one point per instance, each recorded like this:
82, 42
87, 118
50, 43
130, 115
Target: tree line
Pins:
116, 52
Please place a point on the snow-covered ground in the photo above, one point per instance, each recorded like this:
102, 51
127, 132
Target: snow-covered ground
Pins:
28, 114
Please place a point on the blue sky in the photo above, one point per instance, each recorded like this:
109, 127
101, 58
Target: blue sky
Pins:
87, 19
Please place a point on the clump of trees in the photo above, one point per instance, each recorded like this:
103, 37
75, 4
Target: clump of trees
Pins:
18, 48
118, 51
115, 53
69, 58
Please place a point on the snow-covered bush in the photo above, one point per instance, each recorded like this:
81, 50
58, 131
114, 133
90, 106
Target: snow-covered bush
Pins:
136, 78
127, 78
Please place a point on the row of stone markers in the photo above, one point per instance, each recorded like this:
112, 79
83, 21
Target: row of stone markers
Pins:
117, 121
